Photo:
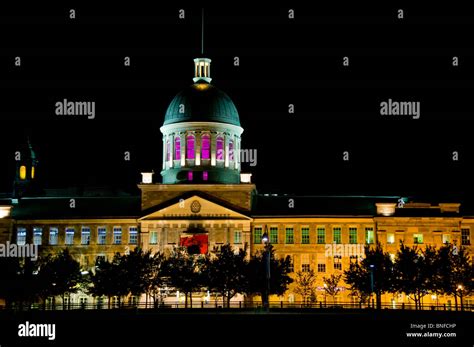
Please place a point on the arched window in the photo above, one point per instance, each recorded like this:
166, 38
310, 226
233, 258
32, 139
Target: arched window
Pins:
23, 172
168, 150
205, 146
231, 150
32, 172
190, 147
220, 148
177, 148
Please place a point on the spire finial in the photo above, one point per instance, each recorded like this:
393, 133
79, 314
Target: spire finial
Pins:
202, 31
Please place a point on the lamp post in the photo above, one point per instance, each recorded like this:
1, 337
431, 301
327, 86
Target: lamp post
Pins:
266, 242
372, 282
460, 289
325, 292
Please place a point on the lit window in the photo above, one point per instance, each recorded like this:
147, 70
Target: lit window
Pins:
369, 235
190, 175
133, 235
205, 175
205, 147
352, 235
257, 235
417, 238
117, 235
305, 267
153, 237
69, 236
85, 236
231, 150
177, 148
446, 238
32, 172
321, 235
237, 237
321, 267
273, 235
37, 236
101, 235
465, 236
290, 236
336, 235
53, 236
305, 235
190, 147
220, 148
337, 263
390, 238
23, 172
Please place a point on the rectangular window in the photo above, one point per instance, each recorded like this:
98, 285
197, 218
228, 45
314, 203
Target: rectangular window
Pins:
465, 236
321, 235
369, 235
390, 238
101, 235
321, 267
290, 236
117, 235
337, 262
133, 235
305, 267
292, 264
305, 236
417, 238
37, 235
69, 236
353, 235
53, 236
273, 235
237, 237
257, 235
446, 238
153, 237
336, 232
85, 236
21, 236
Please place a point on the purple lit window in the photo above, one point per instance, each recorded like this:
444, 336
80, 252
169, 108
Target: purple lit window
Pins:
168, 150
231, 151
177, 148
205, 146
204, 175
220, 148
190, 175
190, 147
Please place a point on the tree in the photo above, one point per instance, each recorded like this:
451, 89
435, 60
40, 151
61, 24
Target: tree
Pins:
414, 271
225, 272
306, 285
331, 285
59, 275
155, 277
279, 274
183, 271
455, 272
373, 274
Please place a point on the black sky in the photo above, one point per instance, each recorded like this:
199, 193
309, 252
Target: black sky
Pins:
282, 61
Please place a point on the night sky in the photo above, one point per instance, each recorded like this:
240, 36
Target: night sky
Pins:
282, 61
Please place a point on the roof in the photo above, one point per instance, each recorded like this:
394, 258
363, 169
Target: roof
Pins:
202, 103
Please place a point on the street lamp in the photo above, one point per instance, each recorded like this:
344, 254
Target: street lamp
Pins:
460, 289
325, 292
372, 266
266, 242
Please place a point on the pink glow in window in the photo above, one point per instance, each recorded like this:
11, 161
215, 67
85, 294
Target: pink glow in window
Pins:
205, 146
220, 148
177, 148
190, 175
190, 147
231, 151
204, 176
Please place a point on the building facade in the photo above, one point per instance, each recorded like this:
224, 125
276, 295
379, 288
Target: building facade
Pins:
205, 200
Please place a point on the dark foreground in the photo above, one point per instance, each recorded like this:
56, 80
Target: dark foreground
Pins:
242, 328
